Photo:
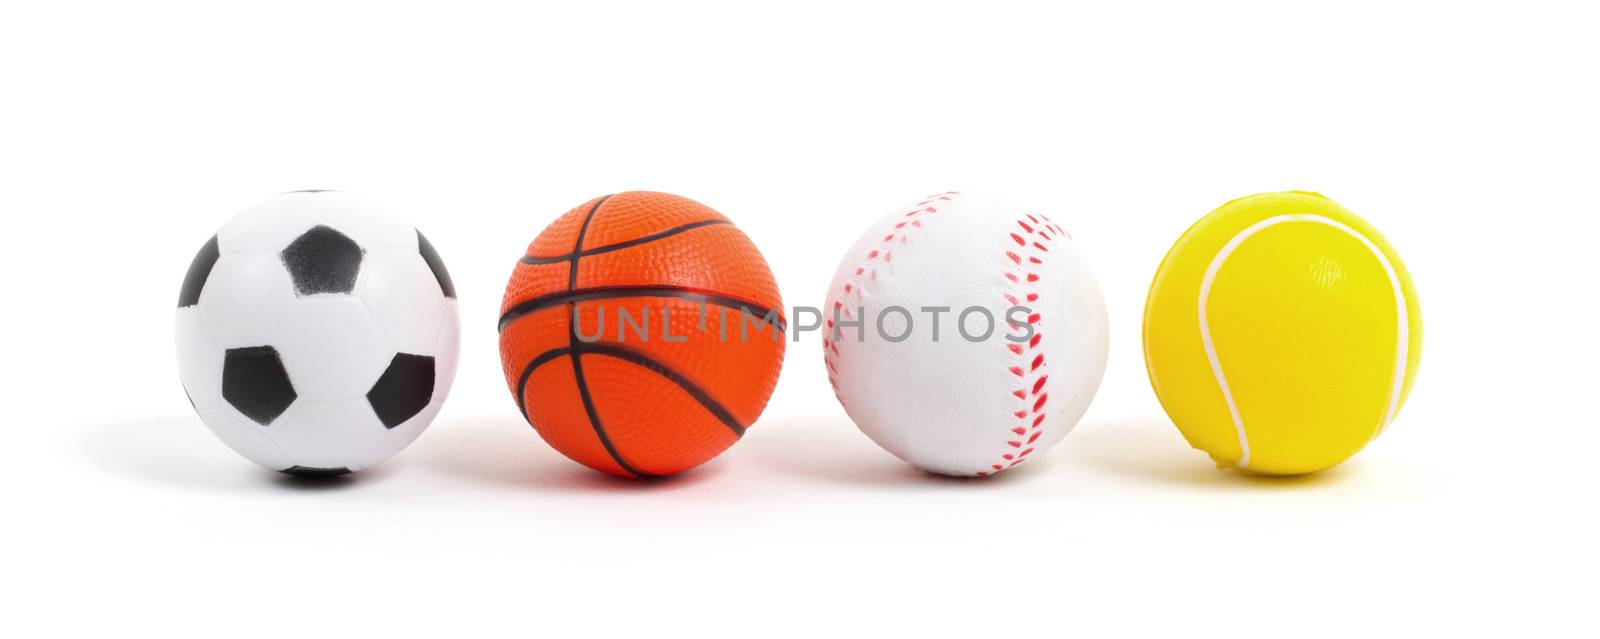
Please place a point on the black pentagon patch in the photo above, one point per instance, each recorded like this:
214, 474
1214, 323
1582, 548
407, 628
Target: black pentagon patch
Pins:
199, 270
309, 472
254, 381
436, 264
323, 260
404, 390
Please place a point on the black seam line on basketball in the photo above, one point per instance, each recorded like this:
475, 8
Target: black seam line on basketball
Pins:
594, 417
614, 292
643, 361
552, 259
522, 382
651, 364
572, 349
577, 247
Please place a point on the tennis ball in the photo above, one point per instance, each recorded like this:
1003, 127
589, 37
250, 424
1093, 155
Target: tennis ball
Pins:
1282, 333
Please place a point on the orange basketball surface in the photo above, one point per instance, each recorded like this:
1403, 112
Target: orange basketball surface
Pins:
678, 340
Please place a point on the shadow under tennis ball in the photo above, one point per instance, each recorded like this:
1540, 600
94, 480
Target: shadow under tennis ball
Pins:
1153, 450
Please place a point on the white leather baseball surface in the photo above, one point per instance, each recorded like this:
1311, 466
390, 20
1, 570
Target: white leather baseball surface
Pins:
958, 405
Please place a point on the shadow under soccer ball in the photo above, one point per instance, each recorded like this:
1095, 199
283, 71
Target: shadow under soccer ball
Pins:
177, 452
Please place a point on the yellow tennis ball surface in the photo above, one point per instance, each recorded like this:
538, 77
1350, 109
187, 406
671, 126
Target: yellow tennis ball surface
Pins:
1282, 333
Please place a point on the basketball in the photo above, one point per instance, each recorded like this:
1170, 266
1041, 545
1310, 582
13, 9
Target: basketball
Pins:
641, 334
1282, 334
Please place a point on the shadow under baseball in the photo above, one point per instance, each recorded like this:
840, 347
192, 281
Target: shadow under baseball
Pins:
832, 450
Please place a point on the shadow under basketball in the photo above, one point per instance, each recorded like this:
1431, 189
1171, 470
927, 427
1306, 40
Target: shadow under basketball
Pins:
507, 452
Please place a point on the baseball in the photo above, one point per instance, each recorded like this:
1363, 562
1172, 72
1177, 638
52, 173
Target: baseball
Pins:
964, 335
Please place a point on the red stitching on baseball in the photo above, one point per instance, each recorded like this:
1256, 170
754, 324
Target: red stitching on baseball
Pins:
1033, 371
1030, 366
830, 347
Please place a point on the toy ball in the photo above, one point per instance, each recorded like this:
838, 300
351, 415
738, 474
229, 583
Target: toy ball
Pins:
641, 334
317, 335
1282, 333
964, 335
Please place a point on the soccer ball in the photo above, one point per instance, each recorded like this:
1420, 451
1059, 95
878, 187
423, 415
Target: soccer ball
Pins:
317, 335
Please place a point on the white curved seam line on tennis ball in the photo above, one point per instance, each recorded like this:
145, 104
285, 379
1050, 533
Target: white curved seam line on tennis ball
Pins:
1211, 348
1402, 334
1402, 339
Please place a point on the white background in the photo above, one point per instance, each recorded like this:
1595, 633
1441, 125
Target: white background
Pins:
1465, 131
